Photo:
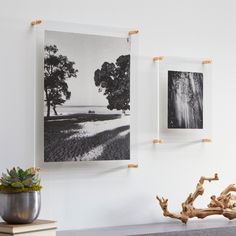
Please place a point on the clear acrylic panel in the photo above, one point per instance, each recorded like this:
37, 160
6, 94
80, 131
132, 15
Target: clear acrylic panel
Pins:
39, 85
183, 99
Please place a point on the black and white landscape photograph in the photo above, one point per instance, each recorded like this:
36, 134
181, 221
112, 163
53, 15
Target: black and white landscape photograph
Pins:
185, 100
86, 97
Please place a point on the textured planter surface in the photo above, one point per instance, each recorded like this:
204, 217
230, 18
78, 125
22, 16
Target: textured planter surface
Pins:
20, 208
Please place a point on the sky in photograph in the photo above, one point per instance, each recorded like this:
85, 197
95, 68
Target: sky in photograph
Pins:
88, 52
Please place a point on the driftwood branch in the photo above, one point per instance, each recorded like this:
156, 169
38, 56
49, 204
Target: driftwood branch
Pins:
225, 204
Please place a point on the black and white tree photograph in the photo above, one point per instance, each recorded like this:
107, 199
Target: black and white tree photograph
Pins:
185, 100
86, 97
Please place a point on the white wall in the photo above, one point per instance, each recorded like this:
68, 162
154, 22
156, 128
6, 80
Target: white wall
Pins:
89, 197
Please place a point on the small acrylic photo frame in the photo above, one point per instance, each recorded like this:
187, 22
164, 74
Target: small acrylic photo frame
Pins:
164, 66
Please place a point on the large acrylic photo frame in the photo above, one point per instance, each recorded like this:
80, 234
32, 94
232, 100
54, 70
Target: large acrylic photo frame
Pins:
39, 75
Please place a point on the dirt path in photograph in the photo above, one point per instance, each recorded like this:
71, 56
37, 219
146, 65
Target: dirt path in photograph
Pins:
97, 152
84, 138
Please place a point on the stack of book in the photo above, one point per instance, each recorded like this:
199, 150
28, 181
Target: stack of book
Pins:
37, 228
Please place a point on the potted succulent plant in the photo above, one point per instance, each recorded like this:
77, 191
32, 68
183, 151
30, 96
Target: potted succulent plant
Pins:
20, 198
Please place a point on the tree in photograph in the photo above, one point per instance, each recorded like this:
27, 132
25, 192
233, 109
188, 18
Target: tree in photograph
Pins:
57, 69
114, 81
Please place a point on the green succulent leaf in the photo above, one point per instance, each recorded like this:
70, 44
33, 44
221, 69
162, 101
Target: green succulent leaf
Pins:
17, 185
21, 174
13, 173
28, 182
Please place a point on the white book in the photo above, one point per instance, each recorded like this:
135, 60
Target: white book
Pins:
38, 227
35, 233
